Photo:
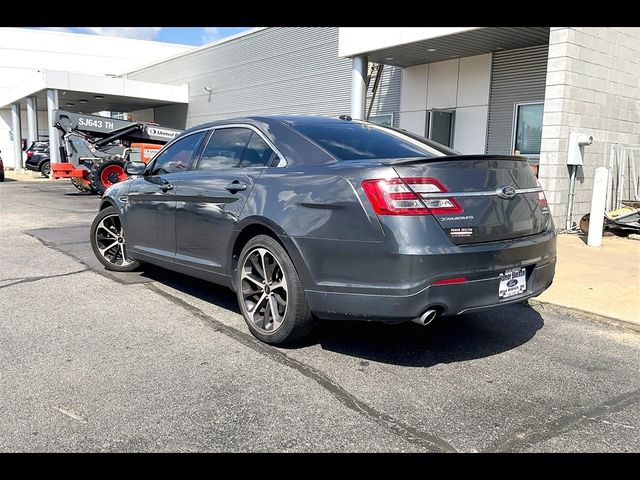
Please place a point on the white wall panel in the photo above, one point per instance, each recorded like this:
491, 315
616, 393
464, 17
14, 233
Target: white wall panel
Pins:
475, 77
414, 88
414, 122
470, 132
443, 84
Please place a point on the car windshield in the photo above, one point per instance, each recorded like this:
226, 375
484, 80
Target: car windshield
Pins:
362, 141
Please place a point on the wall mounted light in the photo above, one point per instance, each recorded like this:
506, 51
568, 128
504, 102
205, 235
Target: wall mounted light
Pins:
207, 89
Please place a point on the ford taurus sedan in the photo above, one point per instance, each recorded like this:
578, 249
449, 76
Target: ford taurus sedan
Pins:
309, 218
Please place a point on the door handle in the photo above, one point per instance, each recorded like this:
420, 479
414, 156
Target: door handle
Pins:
235, 186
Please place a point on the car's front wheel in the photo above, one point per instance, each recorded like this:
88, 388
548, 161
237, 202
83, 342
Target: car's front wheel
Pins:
108, 242
270, 293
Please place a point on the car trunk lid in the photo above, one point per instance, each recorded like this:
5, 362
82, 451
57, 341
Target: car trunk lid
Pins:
497, 197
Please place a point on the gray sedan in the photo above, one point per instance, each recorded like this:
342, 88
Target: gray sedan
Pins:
309, 218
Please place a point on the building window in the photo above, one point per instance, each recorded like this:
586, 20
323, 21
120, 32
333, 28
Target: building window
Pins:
440, 124
383, 119
528, 129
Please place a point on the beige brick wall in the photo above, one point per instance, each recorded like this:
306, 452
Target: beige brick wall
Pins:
592, 86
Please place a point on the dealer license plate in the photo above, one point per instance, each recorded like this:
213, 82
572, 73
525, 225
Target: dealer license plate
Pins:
512, 282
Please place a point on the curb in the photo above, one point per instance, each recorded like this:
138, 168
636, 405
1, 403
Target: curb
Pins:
596, 317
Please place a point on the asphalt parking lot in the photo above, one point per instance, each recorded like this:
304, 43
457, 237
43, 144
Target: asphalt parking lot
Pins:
155, 361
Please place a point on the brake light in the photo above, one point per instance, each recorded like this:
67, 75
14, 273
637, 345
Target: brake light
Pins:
406, 196
541, 201
29, 153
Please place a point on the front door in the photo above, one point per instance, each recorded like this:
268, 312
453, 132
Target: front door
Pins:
150, 218
212, 196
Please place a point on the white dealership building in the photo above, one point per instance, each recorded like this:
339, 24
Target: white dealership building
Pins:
493, 90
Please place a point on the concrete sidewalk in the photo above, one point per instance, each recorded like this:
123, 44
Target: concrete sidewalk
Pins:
603, 281
23, 175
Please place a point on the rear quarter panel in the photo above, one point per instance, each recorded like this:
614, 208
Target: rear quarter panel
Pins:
325, 218
317, 202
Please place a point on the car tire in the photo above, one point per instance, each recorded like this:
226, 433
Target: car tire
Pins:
106, 230
45, 169
293, 321
105, 172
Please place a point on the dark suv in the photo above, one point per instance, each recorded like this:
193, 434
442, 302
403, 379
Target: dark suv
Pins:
38, 158
314, 217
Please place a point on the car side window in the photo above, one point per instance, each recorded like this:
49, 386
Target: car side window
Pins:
225, 148
258, 153
176, 157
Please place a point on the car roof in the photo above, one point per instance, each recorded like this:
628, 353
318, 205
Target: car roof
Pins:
291, 120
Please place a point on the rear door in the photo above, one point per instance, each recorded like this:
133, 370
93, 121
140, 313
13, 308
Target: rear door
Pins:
211, 197
485, 198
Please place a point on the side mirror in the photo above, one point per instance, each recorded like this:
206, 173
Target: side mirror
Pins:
135, 168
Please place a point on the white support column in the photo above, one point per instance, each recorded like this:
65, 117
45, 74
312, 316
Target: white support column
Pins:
16, 127
596, 216
358, 87
54, 136
32, 120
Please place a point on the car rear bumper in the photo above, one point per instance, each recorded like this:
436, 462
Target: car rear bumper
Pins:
32, 167
451, 299
412, 291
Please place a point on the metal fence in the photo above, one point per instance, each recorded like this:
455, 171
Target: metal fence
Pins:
623, 162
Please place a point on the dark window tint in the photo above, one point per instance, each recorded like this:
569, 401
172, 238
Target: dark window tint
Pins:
224, 149
257, 154
176, 157
356, 141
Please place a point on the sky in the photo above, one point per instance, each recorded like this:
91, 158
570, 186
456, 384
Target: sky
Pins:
183, 35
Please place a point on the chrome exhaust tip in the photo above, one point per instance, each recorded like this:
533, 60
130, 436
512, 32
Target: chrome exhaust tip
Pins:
426, 318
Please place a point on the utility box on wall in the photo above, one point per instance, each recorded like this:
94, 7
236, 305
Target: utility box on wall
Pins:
577, 142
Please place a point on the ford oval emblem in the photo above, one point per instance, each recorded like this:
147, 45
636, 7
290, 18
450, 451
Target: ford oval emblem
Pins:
507, 192
512, 283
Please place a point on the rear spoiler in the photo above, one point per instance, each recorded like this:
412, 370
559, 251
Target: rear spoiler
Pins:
446, 158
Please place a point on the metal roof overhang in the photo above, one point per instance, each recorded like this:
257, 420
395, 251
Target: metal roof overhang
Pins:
86, 93
465, 44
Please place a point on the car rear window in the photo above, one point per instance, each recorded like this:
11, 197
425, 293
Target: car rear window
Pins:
362, 141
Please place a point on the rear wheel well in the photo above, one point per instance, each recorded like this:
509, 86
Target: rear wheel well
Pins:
243, 238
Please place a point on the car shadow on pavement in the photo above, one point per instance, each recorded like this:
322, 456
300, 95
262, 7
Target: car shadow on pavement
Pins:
445, 340
207, 291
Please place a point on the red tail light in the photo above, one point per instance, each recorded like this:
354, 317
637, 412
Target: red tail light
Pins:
406, 196
29, 153
541, 200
